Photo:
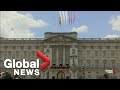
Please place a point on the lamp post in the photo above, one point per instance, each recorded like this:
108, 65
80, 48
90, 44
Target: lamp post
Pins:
78, 75
73, 67
83, 74
73, 57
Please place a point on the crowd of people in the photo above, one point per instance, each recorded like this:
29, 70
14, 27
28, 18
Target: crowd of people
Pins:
7, 75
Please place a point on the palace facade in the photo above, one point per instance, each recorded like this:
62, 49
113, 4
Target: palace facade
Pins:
71, 57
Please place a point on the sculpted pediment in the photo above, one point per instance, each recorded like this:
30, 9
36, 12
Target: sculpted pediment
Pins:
60, 38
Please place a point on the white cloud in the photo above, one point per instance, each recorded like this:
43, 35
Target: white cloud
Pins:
82, 28
17, 25
115, 21
112, 36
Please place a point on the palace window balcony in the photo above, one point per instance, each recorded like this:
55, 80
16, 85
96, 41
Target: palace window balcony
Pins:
60, 66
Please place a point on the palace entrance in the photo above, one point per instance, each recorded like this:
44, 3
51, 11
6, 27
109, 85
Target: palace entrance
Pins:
60, 75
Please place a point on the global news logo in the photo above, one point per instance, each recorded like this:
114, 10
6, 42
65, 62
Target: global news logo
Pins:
25, 67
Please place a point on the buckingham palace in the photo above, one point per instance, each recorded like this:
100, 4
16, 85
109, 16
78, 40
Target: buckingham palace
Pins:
70, 57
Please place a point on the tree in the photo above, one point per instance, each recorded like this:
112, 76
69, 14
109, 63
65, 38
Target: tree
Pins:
15, 76
7, 75
105, 76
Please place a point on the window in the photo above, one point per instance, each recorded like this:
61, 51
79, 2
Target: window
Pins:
53, 77
1, 54
89, 76
84, 47
113, 63
1, 63
14, 47
54, 54
9, 53
22, 47
5, 47
25, 53
80, 53
67, 77
112, 53
104, 54
5, 54
60, 65
119, 53
33, 53
96, 63
100, 47
47, 50
88, 53
29, 47
97, 72
54, 65
81, 62
73, 51
88, 62
37, 47
67, 65
60, 52
114, 77
96, 53
17, 54
67, 54
116, 47
97, 76
108, 47
92, 47
104, 63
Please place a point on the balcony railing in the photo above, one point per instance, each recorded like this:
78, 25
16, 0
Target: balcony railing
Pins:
98, 38
60, 66
44, 39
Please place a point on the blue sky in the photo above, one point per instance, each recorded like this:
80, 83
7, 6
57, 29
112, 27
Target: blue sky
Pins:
95, 21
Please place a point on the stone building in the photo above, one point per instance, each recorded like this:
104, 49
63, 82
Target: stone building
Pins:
71, 57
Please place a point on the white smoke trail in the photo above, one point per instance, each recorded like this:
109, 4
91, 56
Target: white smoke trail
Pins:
73, 17
66, 17
60, 13
63, 14
69, 16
